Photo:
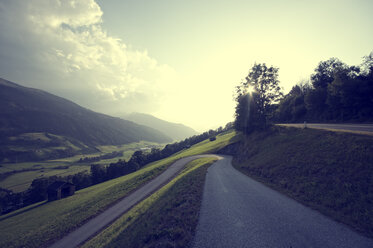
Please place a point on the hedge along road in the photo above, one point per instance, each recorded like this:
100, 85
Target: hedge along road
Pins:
95, 225
237, 211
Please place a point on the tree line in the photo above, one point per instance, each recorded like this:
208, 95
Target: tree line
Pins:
37, 192
336, 92
111, 155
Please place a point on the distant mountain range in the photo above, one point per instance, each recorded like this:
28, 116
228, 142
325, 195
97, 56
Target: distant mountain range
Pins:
173, 130
27, 110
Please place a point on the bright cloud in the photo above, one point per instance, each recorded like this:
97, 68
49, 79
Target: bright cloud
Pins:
60, 46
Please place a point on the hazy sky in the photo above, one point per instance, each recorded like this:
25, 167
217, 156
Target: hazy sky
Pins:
178, 60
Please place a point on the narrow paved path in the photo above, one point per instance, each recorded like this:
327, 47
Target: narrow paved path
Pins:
96, 224
240, 212
353, 128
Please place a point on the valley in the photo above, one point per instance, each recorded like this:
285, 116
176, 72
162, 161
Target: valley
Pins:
19, 176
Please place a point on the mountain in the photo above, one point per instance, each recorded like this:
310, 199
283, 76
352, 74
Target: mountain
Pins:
27, 110
173, 130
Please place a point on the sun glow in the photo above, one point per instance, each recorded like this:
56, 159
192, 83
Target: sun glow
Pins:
250, 90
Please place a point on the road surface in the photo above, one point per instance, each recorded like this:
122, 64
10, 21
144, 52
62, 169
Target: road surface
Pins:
353, 128
98, 223
237, 211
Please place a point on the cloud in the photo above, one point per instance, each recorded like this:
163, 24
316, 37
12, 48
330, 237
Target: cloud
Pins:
60, 46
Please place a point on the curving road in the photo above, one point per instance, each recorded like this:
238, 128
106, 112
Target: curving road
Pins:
98, 223
237, 211
353, 128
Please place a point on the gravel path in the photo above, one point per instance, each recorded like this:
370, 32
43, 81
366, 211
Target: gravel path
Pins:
240, 212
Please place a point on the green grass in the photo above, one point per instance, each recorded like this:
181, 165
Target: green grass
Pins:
31, 136
133, 146
41, 146
328, 171
168, 218
18, 166
126, 156
207, 146
128, 149
41, 225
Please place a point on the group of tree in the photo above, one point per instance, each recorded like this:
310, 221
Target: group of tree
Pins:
37, 192
139, 159
111, 155
336, 92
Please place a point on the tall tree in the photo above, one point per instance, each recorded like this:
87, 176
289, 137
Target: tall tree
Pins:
325, 71
367, 66
98, 173
317, 99
292, 107
256, 96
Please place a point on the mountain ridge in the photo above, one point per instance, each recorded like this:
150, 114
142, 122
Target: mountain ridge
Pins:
29, 110
176, 131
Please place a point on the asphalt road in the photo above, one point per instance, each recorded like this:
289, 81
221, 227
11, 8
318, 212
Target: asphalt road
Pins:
237, 211
98, 223
354, 128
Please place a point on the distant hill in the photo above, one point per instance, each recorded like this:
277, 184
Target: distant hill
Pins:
173, 130
27, 110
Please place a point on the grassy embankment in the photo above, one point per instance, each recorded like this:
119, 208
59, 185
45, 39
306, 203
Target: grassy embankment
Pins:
329, 171
36, 227
168, 218
20, 175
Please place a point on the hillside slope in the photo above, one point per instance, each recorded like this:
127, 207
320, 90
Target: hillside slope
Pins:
174, 130
28, 110
329, 171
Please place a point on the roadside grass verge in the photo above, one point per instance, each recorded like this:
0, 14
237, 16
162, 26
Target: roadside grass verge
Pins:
40, 226
168, 218
331, 172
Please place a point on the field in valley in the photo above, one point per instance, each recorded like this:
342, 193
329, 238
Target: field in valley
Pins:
19, 176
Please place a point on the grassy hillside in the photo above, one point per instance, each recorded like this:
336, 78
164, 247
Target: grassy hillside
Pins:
38, 146
173, 130
35, 227
328, 171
